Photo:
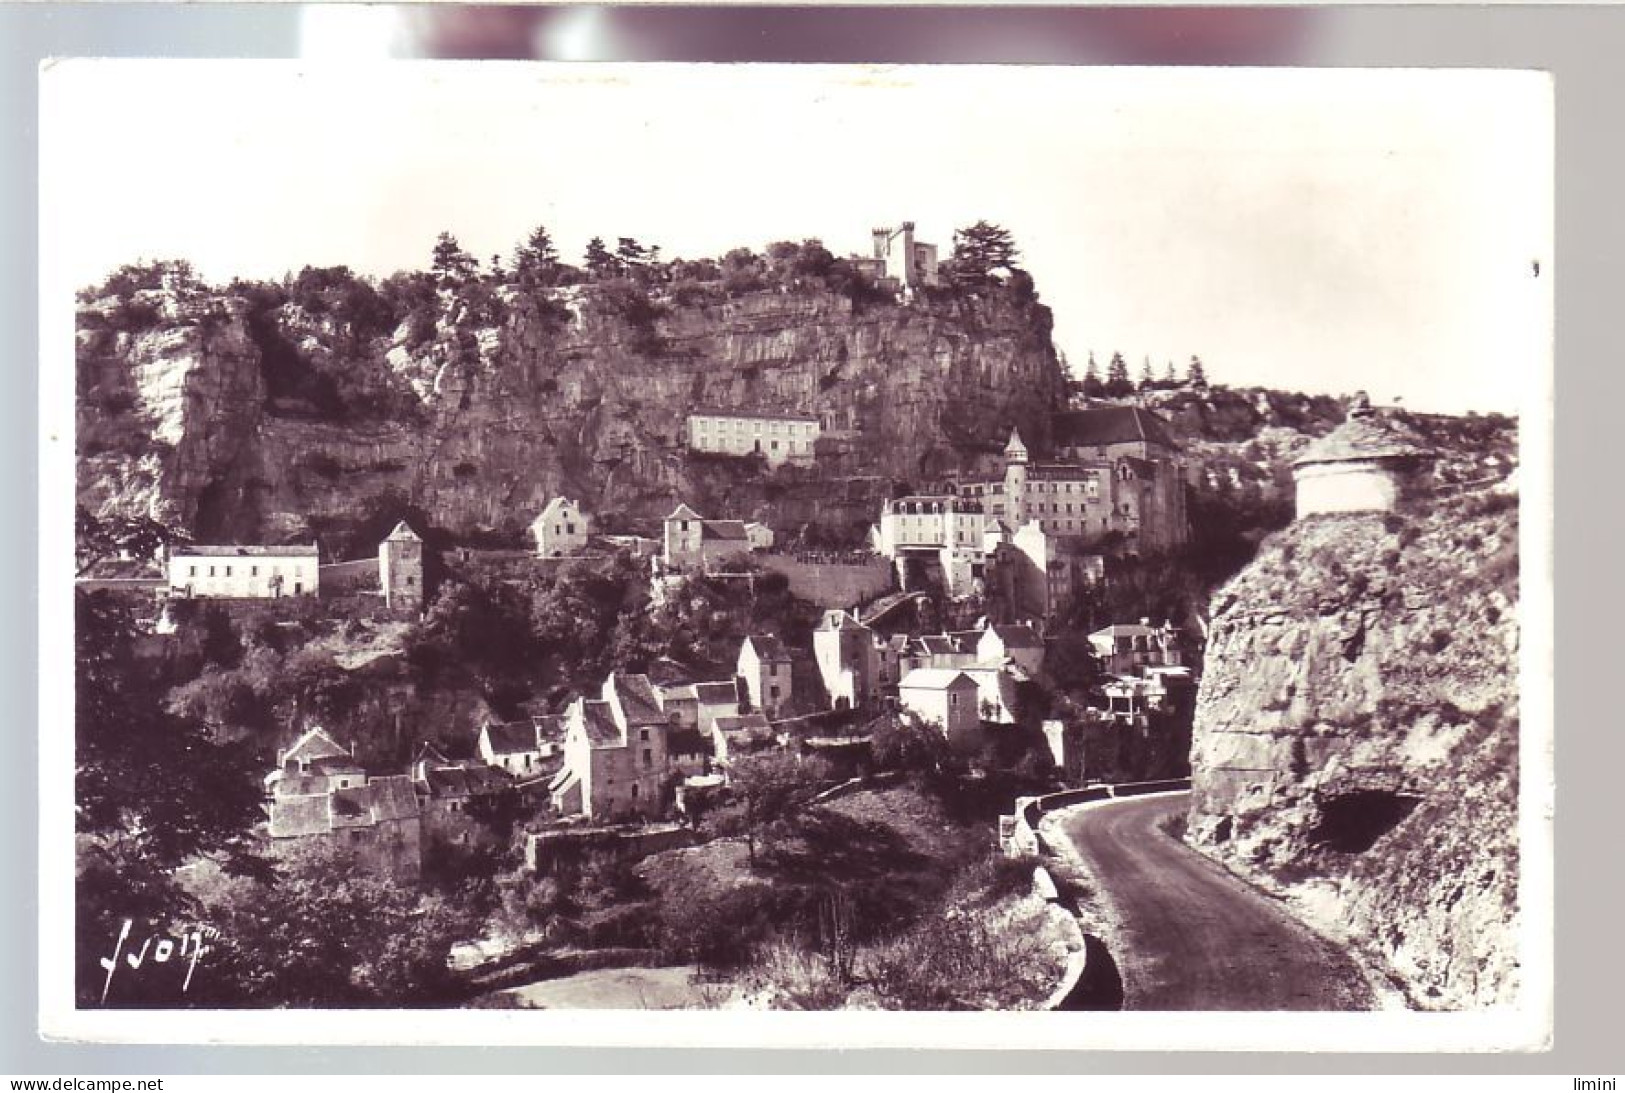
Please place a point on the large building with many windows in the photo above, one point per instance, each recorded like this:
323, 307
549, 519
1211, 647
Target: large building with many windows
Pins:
244, 572
778, 438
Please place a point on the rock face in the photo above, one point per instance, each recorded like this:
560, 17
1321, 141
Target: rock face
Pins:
492, 410
1356, 738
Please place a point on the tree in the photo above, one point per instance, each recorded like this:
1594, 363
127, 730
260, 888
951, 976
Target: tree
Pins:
903, 742
152, 792
1145, 374
981, 250
1168, 379
1092, 387
765, 792
1117, 382
327, 933
536, 262
1196, 376
601, 265
451, 262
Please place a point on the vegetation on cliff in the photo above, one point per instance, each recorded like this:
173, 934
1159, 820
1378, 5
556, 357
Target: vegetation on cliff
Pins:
474, 392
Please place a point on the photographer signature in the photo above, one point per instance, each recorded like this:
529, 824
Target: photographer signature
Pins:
162, 948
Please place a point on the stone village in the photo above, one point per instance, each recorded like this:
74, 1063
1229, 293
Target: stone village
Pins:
632, 757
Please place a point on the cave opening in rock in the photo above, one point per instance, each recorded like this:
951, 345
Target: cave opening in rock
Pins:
1351, 822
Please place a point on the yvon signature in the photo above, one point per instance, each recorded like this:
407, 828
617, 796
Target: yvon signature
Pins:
159, 948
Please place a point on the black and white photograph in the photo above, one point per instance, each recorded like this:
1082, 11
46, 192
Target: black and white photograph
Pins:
805, 549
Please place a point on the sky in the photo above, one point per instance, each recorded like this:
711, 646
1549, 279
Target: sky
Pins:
1322, 231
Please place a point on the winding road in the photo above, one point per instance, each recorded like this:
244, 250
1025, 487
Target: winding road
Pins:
1189, 936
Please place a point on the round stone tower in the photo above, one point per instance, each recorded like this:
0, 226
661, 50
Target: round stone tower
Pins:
1367, 464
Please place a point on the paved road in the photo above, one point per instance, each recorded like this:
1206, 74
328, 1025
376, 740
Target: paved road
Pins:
1190, 936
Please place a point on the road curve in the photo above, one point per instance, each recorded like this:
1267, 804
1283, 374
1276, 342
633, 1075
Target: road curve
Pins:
1189, 936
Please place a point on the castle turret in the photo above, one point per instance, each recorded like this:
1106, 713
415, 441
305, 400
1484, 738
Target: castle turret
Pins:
1015, 479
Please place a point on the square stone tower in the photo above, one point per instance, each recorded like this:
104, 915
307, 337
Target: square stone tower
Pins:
400, 569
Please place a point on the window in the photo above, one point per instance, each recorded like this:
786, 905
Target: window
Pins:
211, 571
253, 571
643, 734
191, 571
648, 757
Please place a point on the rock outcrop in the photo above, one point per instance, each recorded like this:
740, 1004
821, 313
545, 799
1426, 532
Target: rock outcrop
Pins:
202, 414
1356, 738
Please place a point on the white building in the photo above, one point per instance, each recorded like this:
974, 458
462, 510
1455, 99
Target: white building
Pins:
1019, 644
848, 660
561, 530
778, 438
244, 572
941, 532
759, 535
946, 698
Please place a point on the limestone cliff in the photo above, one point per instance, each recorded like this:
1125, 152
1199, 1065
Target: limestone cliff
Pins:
237, 417
1356, 738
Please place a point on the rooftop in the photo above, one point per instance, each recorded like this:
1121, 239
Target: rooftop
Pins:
1019, 636
729, 530
1365, 434
245, 550
1104, 425
403, 533
750, 415
768, 647
935, 679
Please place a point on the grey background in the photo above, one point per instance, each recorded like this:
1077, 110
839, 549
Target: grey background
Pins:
1581, 46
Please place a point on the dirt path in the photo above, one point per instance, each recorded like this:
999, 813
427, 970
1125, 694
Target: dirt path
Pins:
1190, 936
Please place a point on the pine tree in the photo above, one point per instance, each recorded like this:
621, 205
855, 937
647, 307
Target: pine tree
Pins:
1092, 387
451, 262
1117, 382
981, 249
1168, 378
537, 259
1145, 374
1197, 376
600, 263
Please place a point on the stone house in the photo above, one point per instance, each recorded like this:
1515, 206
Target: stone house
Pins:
243, 572
378, 823
314, 764
617, 761
1369, 463
848, 660
448, 795
759, 535
561, 530
400, 569
765, 666
698, 705
692, 543
946, 698
525, 749
1127, 648
1019, 644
